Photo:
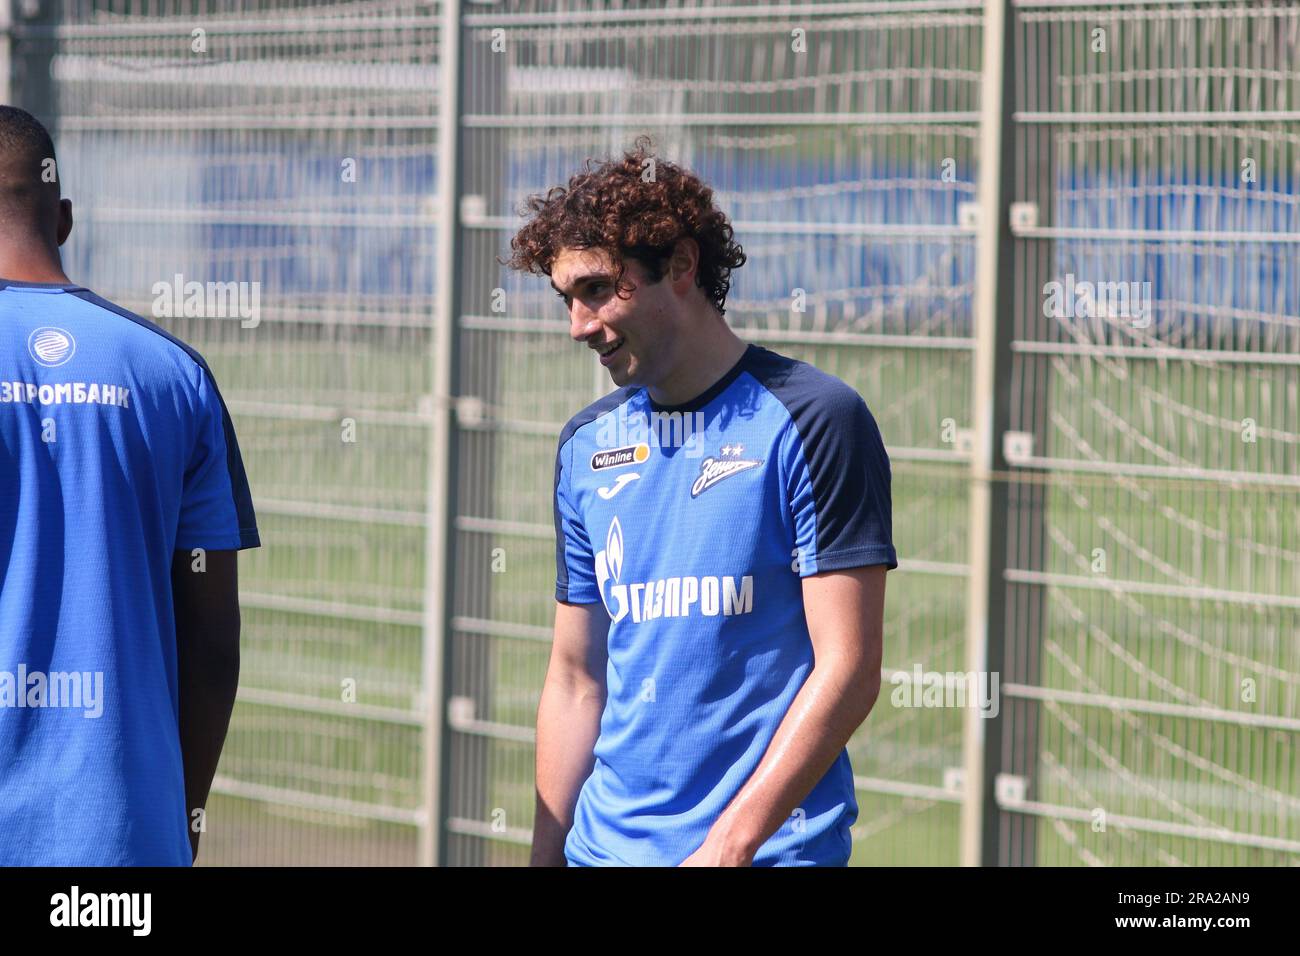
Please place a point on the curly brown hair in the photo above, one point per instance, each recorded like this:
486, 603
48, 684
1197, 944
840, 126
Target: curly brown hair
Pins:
616, 208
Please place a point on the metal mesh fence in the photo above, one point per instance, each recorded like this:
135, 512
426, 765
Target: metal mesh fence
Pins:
1152, 651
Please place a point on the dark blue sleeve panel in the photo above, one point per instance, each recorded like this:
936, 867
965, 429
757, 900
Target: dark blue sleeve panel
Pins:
575, 573
216, 510
243, 496
575, 563
838, 472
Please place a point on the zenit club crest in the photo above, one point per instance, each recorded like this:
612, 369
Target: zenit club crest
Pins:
618, 457
714, 470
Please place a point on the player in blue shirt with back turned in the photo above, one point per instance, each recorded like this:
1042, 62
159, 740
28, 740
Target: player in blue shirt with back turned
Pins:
123, 504
723, 531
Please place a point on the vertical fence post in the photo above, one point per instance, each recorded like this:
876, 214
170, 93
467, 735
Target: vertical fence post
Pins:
31, 40
439, 542
991, 405
485, 362
6, 61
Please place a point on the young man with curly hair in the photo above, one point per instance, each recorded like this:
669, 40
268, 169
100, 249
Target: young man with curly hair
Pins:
723, 530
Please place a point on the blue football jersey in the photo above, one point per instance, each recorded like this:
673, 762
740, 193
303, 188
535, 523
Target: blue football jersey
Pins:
694, 525
115, 451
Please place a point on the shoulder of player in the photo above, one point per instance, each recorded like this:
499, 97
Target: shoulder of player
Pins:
811, 396
185, 353
601, 406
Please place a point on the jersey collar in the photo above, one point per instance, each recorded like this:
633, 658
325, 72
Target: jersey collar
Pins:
712, 392
40, 286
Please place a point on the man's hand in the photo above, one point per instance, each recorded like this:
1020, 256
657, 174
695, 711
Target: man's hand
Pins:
845, 615
716, 852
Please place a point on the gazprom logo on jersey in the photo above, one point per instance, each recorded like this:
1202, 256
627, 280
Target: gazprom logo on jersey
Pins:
621, 428
665, 597
51, 347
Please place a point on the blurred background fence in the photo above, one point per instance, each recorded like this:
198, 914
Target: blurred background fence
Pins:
1094, 497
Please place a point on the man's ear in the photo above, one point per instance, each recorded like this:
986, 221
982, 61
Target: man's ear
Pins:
65, 220
685, 258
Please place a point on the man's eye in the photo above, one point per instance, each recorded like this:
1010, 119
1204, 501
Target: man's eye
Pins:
592, 289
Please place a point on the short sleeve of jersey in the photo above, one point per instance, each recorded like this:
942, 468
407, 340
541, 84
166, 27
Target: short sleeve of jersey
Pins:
838, 479
216, 507
575, 563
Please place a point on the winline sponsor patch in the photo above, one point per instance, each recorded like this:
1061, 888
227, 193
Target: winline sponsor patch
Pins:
618, 457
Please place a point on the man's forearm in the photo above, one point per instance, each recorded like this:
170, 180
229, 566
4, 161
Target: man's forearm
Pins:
831, 705
209, 681
568, 725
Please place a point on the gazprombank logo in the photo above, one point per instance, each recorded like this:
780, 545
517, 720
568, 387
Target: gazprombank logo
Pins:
51, 347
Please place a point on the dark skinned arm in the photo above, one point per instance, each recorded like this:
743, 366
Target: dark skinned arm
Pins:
207, 646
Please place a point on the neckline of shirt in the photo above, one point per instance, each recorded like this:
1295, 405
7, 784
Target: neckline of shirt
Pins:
19, 284
710, 393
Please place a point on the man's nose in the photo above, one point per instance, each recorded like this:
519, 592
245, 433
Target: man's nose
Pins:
582, 325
